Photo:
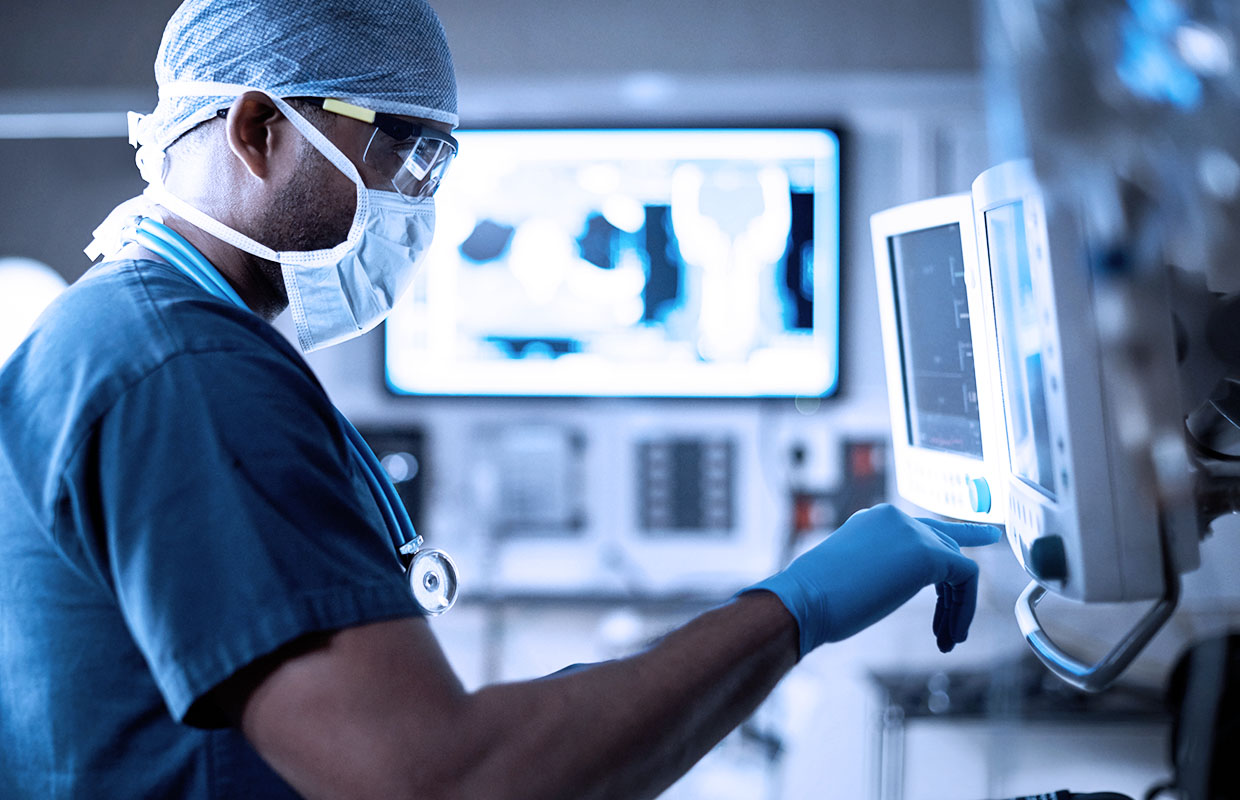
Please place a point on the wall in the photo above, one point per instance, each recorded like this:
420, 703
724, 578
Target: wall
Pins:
491, 38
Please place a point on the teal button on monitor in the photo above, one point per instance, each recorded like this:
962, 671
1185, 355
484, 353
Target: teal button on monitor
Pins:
979, 495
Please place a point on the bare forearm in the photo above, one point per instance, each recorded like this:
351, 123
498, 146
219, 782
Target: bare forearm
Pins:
628, 728
376, 711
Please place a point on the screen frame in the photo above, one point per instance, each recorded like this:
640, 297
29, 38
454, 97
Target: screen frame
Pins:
936, 479
839, 138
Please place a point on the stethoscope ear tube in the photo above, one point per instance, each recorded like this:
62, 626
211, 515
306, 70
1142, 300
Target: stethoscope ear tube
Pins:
431, 572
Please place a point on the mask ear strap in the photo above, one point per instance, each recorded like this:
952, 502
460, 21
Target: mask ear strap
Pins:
319, 140
312, 134
316, 137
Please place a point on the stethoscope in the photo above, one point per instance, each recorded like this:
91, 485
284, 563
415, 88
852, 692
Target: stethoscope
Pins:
431, 572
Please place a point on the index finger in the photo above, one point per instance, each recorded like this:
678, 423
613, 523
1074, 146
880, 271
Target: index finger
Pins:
965, 534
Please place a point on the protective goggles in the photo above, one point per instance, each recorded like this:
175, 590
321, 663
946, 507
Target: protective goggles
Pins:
413, 157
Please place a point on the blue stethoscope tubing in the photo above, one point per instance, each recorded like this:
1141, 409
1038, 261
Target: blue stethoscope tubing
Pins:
170, 245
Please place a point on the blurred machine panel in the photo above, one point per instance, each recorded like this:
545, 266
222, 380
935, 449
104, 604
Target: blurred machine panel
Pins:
950, 448
540, 488
650, 501
864, 467
687, 486
700, 520
648, 263
531, 495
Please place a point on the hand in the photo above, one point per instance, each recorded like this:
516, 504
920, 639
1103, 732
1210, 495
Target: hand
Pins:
871, 565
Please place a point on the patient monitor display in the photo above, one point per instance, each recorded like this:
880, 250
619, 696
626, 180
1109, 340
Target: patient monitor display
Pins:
949, 453
669, 263
1024, 380
937, 347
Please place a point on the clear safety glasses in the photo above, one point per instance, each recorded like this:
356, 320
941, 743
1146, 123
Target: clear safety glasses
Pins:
416, 165
414, 157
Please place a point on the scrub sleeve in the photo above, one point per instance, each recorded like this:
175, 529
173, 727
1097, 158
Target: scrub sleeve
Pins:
233, 520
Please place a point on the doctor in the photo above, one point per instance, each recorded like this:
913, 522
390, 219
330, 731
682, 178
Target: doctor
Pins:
201, 594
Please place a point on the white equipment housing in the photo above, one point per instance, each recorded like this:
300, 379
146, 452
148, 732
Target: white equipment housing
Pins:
949, 446
1083, 511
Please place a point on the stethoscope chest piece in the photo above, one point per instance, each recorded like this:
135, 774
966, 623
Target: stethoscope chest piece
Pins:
432, 577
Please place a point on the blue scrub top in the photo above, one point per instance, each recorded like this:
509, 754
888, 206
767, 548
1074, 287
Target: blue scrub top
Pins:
177, 499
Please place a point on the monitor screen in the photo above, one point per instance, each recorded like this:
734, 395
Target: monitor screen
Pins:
655, 263
1020, 347
936, 343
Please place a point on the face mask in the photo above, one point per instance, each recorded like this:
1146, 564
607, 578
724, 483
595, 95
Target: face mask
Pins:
338, 293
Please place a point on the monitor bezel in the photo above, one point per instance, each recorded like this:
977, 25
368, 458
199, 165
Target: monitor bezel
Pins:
936, 479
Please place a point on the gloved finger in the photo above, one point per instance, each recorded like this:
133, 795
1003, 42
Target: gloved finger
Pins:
937, 625
941, 632
957, 618
965, 534
961, 597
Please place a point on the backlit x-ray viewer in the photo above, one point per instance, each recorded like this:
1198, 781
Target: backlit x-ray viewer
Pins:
947, 432
668, 262
1083, 514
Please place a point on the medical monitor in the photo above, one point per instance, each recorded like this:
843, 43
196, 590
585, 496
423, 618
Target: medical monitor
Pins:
1082, 516
948, 443
641, 263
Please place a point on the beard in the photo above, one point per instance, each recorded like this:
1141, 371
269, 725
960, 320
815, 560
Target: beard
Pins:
313, 211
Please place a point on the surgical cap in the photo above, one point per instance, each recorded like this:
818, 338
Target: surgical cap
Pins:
386, 55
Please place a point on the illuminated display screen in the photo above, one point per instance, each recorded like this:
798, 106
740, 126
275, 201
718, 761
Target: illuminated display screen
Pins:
1020, 347
936, 345
657, 263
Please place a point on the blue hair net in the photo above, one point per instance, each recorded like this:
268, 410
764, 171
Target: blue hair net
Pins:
386, 55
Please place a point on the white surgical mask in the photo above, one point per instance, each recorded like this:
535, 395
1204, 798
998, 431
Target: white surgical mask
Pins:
338, 293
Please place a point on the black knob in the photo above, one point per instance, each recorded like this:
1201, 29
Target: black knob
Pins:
1047, 559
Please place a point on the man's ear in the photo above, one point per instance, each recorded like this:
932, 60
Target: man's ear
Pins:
253, 134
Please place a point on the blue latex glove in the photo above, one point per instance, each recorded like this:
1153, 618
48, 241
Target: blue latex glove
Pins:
871, 565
